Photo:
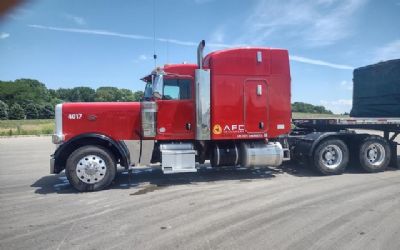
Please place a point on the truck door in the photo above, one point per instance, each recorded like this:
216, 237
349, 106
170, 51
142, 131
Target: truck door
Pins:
175, 115
256, 106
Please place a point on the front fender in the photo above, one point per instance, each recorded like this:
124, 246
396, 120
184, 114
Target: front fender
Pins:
60, 156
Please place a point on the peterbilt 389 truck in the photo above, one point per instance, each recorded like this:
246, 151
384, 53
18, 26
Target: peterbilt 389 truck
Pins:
232, 108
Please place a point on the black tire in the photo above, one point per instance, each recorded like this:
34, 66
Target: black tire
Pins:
330, 157
374, 154
101, 155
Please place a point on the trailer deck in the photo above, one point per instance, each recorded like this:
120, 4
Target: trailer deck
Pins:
386, 125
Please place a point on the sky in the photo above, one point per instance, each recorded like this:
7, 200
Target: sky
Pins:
68, 43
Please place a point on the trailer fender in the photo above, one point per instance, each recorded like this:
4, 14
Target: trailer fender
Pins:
304, 146
318, 139
118, 148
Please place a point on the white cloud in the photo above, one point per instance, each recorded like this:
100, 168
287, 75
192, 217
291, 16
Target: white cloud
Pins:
315, 23
335, 25
76, 19
338, 106
203, 1
319, 62
92, 32
388, 51
180, 42
4, 35
177, 42
19, 13
326, 2
218, 36
347, 85
143, 57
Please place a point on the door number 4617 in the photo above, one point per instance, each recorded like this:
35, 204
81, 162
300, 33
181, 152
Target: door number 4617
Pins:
74, 116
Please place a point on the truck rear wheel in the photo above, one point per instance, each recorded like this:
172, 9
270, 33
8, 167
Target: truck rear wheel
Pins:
90, 168
331, 157
374, 154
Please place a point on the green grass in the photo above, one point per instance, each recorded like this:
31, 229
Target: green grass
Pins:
310, 115
26, 127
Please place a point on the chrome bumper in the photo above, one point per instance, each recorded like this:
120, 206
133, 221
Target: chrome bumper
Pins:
52, 161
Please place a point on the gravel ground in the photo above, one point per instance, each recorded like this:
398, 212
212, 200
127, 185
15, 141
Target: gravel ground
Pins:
289, 207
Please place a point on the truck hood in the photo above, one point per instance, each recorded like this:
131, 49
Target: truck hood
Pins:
117, 120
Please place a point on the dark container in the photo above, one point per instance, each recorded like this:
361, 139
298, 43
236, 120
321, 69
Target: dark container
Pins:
376, 90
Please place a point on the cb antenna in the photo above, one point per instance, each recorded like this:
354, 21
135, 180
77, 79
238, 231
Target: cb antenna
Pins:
154, 34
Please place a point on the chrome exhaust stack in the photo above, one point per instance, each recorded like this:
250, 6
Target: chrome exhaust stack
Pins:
200, 49
203, 97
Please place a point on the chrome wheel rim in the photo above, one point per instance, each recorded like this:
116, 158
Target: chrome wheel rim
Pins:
331, 156
91, 169
375, 154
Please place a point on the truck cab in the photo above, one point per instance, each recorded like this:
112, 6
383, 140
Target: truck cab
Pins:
230, 108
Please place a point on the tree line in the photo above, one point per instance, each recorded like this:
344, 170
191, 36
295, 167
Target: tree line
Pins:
31, 99
302, 107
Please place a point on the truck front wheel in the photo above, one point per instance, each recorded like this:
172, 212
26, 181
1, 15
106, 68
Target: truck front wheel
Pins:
90, 168
374, 154
331, 157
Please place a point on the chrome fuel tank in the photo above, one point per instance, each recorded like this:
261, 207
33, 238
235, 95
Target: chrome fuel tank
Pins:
259, 154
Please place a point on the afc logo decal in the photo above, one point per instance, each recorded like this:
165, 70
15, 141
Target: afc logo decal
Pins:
233, 128
217, 129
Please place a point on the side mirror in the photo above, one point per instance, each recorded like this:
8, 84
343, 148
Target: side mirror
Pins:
158, 85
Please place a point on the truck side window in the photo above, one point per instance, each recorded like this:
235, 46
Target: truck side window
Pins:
176, 89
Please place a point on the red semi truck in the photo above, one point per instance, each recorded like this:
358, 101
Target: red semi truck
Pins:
232, 108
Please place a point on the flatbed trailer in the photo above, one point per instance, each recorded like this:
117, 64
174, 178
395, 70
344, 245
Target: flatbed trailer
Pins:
331, 144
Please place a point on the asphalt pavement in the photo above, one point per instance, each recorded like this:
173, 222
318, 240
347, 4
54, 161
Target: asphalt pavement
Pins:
289, 207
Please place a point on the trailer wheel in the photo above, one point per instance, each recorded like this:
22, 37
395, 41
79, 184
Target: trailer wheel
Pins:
90, 168
374, 154
331, 157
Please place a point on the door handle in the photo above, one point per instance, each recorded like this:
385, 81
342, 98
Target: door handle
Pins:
188, 126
